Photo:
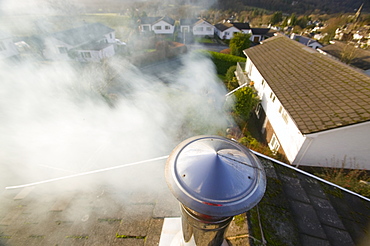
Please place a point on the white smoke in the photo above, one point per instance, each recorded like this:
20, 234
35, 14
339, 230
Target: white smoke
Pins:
57, 119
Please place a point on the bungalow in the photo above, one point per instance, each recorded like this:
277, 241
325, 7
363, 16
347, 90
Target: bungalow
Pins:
8, 50
260, 34
159, 25
227, 30
81, 43
314, 110
312, 43
197, 27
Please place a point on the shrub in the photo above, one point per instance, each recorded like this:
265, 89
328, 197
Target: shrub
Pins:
224, 61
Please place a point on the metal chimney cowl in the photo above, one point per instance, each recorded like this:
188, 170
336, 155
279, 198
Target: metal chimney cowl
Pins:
214, 178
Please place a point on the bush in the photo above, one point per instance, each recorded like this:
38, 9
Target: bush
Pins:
223, 61
230, 74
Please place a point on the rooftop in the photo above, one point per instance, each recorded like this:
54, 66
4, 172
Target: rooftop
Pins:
318, 92
83, 34
297, 209
359, 58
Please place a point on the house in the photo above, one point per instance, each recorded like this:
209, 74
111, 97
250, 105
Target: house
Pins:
8, 49
348, 53
90, 42
260, 34
159, 25
314, 110
306, 41
190, 28
203, 28
227, 30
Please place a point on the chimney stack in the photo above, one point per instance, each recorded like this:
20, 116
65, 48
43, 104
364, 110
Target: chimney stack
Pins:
213, 178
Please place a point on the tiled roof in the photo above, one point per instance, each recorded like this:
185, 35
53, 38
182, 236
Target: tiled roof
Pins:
83, 34
166, 19
188, 21
260, 31
223, 26
318, 92
361, 57
241, 25
297, 209
93, 46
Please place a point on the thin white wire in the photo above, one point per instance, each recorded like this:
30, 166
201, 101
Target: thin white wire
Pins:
85, 173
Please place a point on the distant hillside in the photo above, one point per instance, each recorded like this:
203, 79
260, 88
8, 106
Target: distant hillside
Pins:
298, 6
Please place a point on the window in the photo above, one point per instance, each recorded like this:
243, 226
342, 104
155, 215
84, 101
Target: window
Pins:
209, 29
284, 114
167, 27
272, 96
258, 110
157, 28
274, 144
263, 83
2, 46
199, 29
86, 54
62, 50
110, 36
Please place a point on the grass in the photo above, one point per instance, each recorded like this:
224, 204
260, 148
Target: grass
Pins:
352, 179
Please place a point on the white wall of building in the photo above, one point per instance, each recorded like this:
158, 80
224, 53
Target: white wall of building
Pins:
110, 37
54, 50
326, 148
163, 27
96, 55
204, 29
348, 145
287, 132
228, 33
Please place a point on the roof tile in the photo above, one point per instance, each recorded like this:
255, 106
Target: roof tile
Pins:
325, 88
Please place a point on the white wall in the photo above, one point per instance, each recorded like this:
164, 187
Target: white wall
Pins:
330, 148
327, 148
97, 55
51, 51
110, 37
204, 32
162, 24
287, 132
228, 33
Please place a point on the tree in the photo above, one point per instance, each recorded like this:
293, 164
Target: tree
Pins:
276, 18
246, 101
238, 43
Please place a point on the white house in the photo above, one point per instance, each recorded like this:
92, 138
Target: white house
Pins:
8, 50
78, 42
226, 30
190, 28
312, 43
159, 25
314, 110
260, 34
203, 28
